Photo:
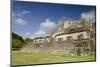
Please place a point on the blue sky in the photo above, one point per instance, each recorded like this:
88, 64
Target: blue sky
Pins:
32, 19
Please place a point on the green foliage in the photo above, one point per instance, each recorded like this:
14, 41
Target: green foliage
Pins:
15, 36
17, 41
28, 40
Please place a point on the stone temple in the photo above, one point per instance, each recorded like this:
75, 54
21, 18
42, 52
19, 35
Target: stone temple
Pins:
72, 37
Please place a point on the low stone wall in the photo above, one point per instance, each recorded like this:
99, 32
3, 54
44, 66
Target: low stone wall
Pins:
78, 47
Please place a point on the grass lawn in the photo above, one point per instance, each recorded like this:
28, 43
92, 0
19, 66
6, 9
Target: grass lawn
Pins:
21, 58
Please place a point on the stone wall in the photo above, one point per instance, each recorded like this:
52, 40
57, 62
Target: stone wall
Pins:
78, 47
73, 35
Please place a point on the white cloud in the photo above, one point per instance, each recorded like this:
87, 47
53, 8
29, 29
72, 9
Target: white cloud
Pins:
25, 12
89, 16
47, 25
28, 33
17, 17
21, 13
20, 21
39, 33
44, 28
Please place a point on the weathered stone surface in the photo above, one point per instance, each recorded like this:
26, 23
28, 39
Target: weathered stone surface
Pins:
79, 47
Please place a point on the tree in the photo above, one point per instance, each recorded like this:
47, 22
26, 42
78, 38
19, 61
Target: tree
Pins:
17, 41
27, 40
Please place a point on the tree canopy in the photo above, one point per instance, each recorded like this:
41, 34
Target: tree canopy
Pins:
17, 41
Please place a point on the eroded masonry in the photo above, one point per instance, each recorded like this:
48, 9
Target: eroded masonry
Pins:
72, 37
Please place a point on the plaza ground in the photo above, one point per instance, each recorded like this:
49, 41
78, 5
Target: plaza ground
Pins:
22, 58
